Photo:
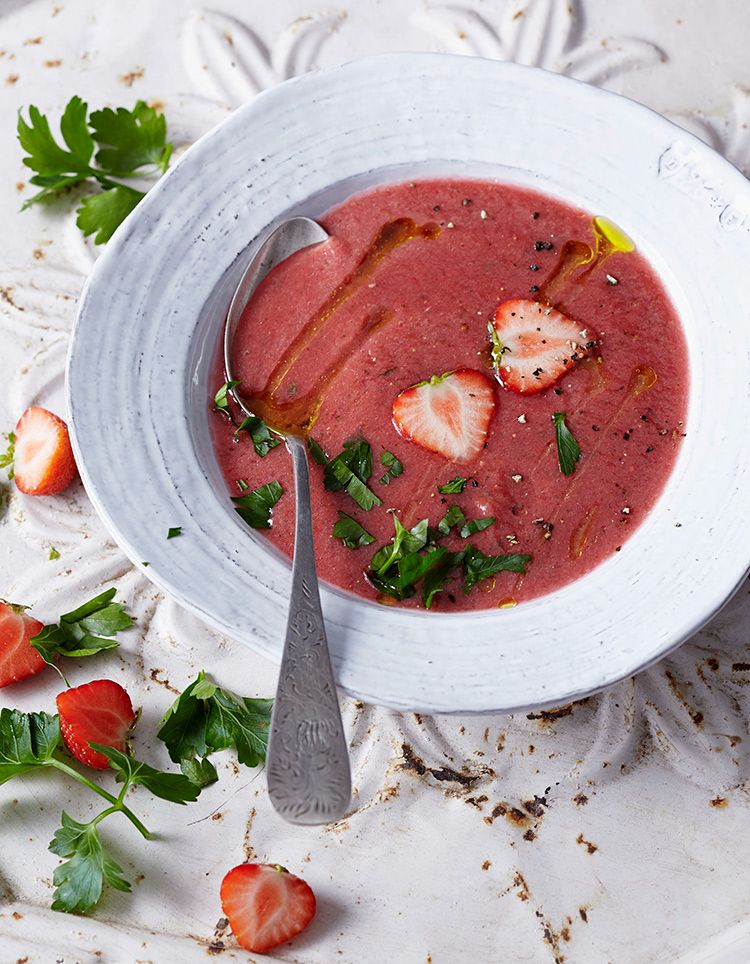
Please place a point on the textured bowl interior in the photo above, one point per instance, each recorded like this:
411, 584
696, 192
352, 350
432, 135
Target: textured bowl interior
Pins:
154, 305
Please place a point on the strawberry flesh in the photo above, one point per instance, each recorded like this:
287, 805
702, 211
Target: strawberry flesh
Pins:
449, 414
265, 905
97, 712
43, 463
18, 658
535, 345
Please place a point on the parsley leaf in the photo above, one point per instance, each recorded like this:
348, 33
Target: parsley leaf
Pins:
45, 156
130, 143
79, 881
175, 787
174, 531
350, 470
455, 486
85, 631
568, 450
200, 772
476, 525
453, 517
101, 214
350, 532
53, 553
221, 398
317, 453
6, 459
256, 507
263, 438
394, 467
27, 740
205, 718
404, 541
438, 574
478, 566
130, 139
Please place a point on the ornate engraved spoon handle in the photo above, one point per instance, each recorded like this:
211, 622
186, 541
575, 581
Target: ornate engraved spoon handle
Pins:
308, 761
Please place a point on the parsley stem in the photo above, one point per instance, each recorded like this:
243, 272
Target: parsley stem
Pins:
117, 802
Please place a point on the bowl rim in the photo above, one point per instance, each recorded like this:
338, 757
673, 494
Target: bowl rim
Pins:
107, 264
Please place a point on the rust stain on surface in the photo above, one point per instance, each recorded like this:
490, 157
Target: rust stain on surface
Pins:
740, 667
130, 78
591, 848
549, 716
679, 691
523, 893
580, 799
720, 803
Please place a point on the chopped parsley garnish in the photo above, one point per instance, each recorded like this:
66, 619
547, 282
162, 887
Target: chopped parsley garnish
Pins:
263, 438
453, 517
412, 557
174, 531
568, 450
53, 553
6, 459
350, 470
455, 486
351, 533
256, 507
128, 143
478, 566
476, 525
393, 466
221, 398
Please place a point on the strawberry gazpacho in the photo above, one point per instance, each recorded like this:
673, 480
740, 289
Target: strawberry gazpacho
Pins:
492, 384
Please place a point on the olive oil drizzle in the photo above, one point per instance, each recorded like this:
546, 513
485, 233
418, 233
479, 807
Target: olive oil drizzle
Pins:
297, 417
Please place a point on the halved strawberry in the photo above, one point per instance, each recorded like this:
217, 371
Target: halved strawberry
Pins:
534, 345
18, 658
265, 905
97, 712
43, 463
450, 414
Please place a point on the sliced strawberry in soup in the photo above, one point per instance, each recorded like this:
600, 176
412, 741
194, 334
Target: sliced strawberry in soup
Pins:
450, 414
535, 345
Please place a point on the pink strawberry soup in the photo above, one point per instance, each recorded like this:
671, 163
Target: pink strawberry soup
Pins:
473, 354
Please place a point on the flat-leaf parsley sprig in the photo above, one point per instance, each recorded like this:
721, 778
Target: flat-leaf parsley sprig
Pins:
106, 147
32, 741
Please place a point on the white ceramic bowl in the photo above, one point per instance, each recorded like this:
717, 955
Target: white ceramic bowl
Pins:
153, 309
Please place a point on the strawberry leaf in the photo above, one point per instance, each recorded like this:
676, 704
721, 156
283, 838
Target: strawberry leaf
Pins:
6, 458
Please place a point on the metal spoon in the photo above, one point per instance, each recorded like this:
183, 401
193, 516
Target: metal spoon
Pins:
307, 764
